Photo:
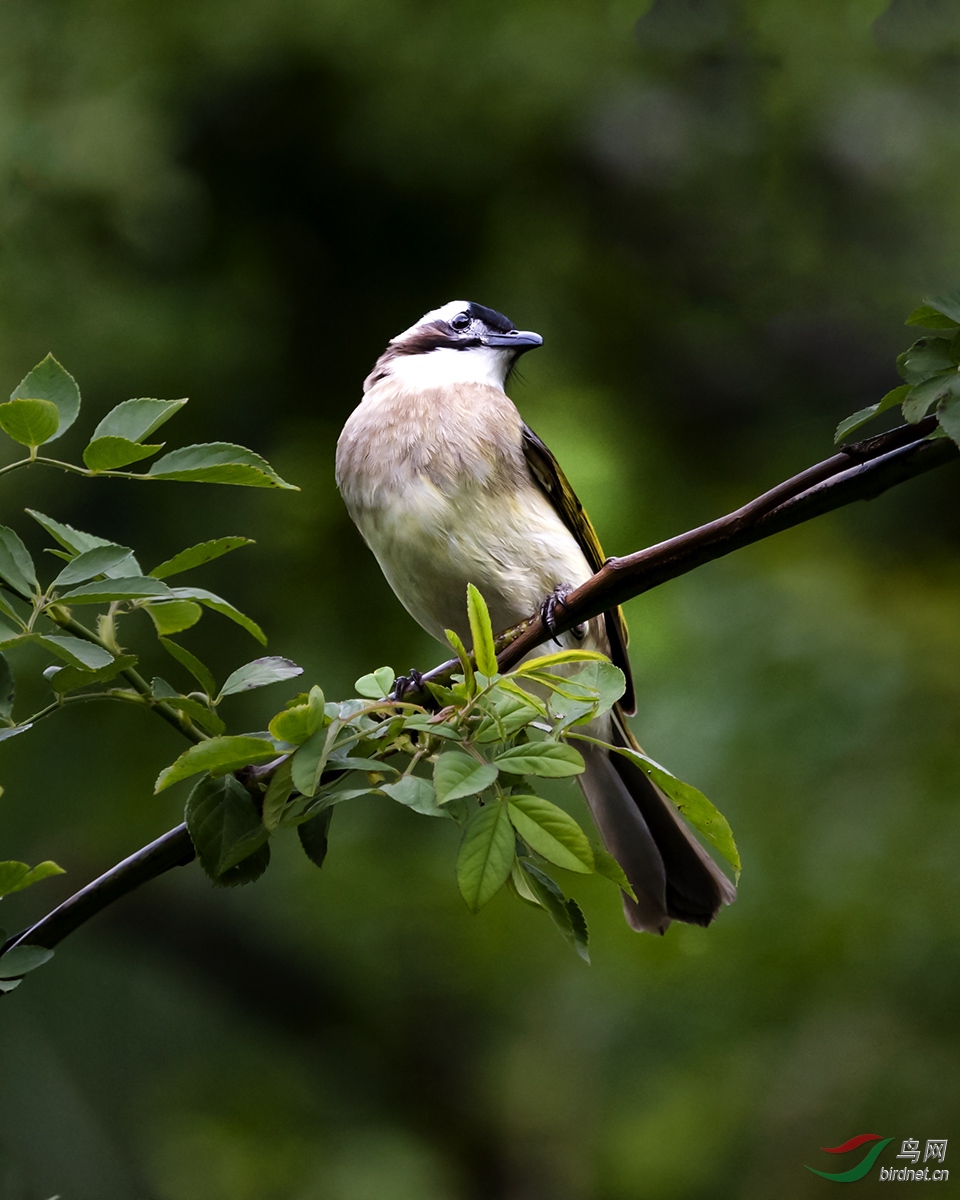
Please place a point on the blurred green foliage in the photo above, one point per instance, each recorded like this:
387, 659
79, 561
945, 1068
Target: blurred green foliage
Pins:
717, 215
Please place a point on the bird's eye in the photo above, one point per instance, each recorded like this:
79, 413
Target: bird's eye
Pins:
460, 321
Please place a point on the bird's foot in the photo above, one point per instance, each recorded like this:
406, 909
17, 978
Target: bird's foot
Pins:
412, 682
548, 613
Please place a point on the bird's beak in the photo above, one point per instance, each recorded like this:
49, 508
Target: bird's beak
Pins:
516, 339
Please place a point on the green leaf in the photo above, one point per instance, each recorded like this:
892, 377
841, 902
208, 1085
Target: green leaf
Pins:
552, 760
16, 565
890, 400
9, 733
196, 556
309, 761
15, 876
416, 793
29, 422
566, 914
74, 651
377, 685
300, 721
109, 453
74, 540
197, 669
20, 959
554, 834
509, 713
197, 712
486, 855
6, 690
313, 835
947, 304
68, 679
279, 791
174, 616
926, 357
921, 397
137, 587
226, 831
457, 774
546, 661
258, 674
930, 318
217, 604
218, 462
609, 868
461, 652
134, 420
219, 756
96, 561
948, 414
702, 815
481, 630
49, 381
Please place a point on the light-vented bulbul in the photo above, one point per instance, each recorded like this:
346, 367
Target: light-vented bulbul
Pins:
448, 486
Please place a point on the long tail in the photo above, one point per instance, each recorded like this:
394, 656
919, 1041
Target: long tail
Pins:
673, 876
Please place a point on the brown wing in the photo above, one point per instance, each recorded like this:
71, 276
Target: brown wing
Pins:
556, 487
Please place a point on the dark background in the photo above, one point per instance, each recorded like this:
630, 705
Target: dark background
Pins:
717, 218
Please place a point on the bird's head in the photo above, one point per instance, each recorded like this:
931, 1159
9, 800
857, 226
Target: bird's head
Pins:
461, 342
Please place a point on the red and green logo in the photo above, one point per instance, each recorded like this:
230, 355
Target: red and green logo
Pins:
865, 1163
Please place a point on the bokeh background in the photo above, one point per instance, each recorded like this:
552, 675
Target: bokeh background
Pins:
717, 215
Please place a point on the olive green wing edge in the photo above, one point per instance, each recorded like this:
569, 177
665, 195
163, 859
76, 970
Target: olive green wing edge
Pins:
551, 480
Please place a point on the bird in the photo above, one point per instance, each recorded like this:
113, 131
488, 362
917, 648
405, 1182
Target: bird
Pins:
448, 486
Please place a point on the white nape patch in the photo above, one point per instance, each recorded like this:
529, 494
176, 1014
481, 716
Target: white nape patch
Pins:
444, 368
446, 312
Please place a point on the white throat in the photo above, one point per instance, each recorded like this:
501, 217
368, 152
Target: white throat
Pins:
446, 368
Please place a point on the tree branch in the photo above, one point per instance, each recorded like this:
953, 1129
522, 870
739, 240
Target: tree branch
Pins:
860, 471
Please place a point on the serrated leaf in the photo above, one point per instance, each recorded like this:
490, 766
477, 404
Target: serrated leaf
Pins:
15, 876
109, 453
890, 400
137, 587
201, 673
134, 420
565, 914
314, 836
21, 959
226, 831
16, 565
301, 721
258, 674
930, 318
29, 422
49, 381
948, 415
218, 604
416, 793
96, 561
6, 691
553, 833
607, 866
920, 398
68, 679
947, 303
461, 652
456, 775
219, 756
279, 791
486, 855
196, 556
218, 462
74, 540
174, 616
376, 685
74, 651
551, 760
481, 630
925, 357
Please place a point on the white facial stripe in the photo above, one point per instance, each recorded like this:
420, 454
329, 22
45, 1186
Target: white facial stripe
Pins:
444, 313
441, 368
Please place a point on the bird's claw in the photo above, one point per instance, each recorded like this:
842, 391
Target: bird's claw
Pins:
548, 614
412, 682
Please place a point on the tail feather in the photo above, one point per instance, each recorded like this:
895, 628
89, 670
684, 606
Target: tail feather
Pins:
672, 875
